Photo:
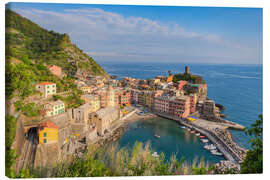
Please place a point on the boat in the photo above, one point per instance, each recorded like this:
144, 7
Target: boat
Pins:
189, 129
184, 127
206, 147
202, 136
193, 131
205, 140
197, 134
155, 154
157, 136
215, 152
212, 147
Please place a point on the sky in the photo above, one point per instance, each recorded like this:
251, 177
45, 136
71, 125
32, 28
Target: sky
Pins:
155, 33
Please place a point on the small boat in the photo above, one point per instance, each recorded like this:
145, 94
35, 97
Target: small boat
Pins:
183, 127
157, 136
207, 147
215, 152
202, 136
198, 134
193, 132
205, 140
155, 154
189, 129
212, 147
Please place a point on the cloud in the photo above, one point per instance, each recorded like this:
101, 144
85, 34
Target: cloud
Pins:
108, 35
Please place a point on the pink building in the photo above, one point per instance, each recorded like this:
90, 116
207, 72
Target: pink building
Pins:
56, 70
172, 105
193, 102
181, 84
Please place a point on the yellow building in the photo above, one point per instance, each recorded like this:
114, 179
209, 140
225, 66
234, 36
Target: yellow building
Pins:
111, 96
93, 100
48, 133
86, 89
149, 99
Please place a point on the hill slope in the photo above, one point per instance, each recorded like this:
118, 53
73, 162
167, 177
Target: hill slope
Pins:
27, 39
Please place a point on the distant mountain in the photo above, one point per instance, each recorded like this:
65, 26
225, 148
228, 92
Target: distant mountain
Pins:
25, 38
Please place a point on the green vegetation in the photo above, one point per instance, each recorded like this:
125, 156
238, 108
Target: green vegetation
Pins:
71, 101
10, 155
112, 161
253, 162
29, 42
195, 79
29, 109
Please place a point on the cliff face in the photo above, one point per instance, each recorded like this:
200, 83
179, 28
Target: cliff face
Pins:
26, 39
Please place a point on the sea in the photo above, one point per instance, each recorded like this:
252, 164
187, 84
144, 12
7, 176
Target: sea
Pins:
237, 87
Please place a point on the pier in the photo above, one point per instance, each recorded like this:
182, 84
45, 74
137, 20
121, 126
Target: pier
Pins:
215, 132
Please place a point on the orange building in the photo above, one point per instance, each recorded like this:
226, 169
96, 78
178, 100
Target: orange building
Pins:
169, 78
48, 133
56, 70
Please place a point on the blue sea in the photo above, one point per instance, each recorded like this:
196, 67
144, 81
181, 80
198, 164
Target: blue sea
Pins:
237, 87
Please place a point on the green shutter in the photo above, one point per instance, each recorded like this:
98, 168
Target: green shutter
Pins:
44, 141
44, 134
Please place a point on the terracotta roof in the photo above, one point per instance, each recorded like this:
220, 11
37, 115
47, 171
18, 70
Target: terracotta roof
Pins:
48, 124
46, 83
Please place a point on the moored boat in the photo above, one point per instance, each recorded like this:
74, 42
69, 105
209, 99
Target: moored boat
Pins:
198, 134
205, 140
157, 136
202, 136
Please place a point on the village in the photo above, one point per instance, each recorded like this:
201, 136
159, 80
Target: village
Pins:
107, 103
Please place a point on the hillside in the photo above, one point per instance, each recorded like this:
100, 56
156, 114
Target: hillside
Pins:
27, 39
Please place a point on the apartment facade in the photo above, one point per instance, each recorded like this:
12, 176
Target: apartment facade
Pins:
93, 100
46, 88
54, 108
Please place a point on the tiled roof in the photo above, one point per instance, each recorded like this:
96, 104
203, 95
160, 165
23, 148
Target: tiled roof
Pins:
46, 83
48, 124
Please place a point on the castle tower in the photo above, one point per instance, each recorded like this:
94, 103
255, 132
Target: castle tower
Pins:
186, 70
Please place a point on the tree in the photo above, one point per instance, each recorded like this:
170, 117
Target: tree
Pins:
253, 162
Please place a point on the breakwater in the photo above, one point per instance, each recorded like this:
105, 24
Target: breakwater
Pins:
229, 149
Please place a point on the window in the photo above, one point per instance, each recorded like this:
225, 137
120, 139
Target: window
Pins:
53, 85
48, 92
51, 113
53, 90
44, 141
44, 134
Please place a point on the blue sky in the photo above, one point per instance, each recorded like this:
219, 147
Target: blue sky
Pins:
155, 33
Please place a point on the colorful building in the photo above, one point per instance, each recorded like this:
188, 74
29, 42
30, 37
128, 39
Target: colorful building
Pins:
56, 70
48, 133
181, 84
86, 89
54, 108
169, 79
93, 100
47, 89
172, 105
193, 102
124, 98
